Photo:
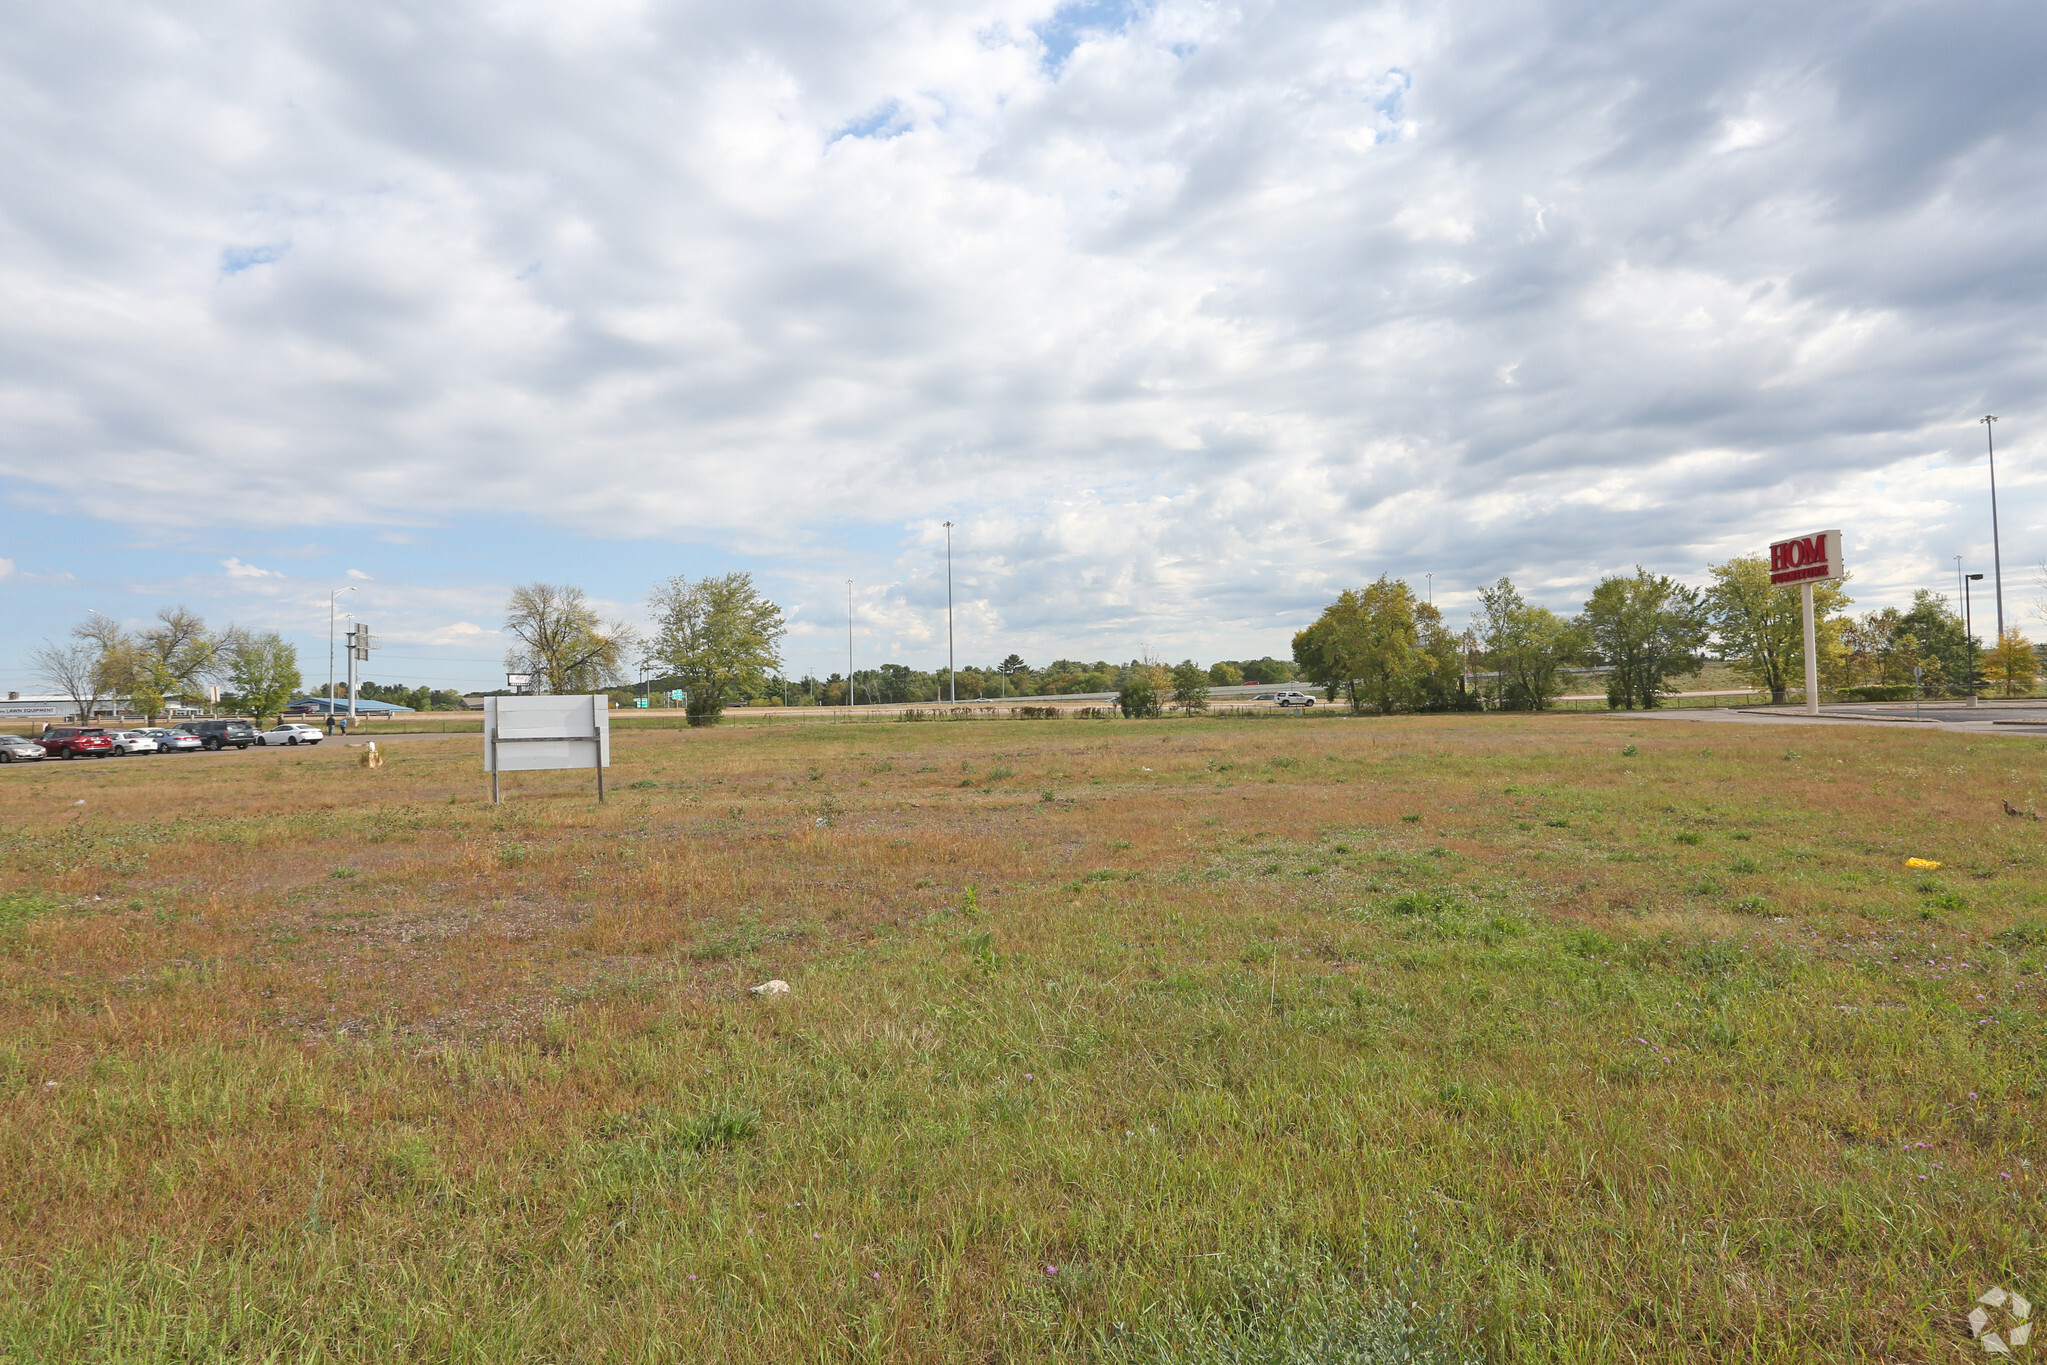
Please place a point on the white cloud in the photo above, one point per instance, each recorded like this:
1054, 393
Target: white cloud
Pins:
6, 569
1186, 313
359, 575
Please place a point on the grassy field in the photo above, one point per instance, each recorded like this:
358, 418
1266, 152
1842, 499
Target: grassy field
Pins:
1561, 1038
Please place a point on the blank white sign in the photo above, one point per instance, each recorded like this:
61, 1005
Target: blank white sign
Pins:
525, 734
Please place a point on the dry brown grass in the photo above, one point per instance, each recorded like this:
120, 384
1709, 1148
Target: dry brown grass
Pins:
304, 1059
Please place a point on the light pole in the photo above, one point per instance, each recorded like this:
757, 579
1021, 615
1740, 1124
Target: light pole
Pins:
1432, 588
849, 643
952, 676
330, 646
95, 611
1996, 552
1969, 629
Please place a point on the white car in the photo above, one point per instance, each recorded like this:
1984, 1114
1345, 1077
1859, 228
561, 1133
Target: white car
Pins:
133, 742
173, 741
1293, 699
291, 732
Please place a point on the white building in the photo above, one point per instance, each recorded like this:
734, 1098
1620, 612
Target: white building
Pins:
36, 706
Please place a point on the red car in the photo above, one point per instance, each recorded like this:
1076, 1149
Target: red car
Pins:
71, 741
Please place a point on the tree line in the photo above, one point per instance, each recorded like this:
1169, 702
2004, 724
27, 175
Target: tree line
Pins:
177, 659
1383, 649
717, 639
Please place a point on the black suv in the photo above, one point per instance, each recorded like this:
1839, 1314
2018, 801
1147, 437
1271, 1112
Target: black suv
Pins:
218, 734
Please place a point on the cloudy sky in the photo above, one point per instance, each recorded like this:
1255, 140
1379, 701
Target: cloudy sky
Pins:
1186, 314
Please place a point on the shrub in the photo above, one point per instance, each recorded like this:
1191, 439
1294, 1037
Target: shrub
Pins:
1137, 699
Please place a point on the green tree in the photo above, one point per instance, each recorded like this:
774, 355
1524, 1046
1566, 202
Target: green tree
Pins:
1941, 637
1762, 628
264, 673
1381, 648
1526, 648
721, 637
1647, 630
1190, 686
1138, 697
187, 655
563, 643
1267, 670
1223, 673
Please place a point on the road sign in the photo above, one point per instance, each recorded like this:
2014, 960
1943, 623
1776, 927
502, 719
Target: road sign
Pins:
677, 694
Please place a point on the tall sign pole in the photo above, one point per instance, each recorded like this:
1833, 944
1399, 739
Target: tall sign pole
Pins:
359, 647
1996, 552
1807, 561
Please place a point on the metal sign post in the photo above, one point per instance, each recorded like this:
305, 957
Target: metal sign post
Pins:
527, 734
360, 643
1806, 561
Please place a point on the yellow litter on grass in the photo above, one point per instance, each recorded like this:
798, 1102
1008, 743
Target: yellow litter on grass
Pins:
1926, 863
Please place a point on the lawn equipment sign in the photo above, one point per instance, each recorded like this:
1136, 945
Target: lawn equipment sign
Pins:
1807, 559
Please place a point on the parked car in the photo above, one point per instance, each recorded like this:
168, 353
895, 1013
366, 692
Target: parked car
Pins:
1291, 698
133, 742
69, 741
290, 732
15, 749
174, 741
219, 734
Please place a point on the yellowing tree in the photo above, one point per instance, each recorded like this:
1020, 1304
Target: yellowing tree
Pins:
2012, 664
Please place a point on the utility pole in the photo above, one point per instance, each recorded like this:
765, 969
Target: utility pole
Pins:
849, 642
952, 676
1996, 551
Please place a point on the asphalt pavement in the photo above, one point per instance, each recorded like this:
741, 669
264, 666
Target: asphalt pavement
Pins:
2010, 719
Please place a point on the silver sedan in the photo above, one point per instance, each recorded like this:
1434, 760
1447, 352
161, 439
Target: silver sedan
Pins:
174, 741
133, 742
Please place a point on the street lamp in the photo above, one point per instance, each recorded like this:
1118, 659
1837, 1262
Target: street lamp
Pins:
849, 643
951, 668
330, 647
1996, 553
1969, 629
95, 611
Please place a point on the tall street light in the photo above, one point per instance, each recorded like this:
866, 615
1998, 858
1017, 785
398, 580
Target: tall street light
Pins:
849, 643
1970, 630
330, 646
951, 669
1996, 554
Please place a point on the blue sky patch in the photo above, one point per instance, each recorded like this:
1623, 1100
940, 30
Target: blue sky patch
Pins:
887, 121
235, 259
1071, 24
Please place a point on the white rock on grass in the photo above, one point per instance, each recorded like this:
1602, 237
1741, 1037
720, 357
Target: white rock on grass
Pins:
767, 988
